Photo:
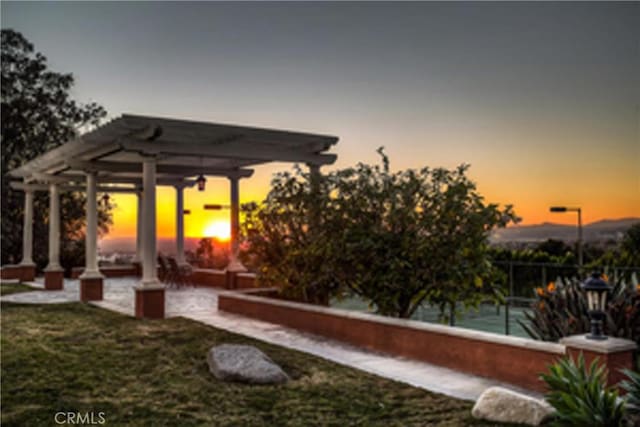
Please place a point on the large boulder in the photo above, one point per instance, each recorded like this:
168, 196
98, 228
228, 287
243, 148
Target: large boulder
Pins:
507, 406
244, 363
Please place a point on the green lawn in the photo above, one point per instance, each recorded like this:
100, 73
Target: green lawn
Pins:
78, 358
14, 288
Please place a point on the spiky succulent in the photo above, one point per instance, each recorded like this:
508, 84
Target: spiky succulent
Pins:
580, 396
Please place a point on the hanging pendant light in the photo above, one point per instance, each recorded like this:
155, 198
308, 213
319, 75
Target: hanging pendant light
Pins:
202, 182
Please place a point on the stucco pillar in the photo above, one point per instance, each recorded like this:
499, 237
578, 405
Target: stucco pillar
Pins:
27, 266
53, 273
91, 279
149, 292
180, 259
615, 354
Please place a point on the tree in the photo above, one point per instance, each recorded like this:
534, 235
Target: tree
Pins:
39, 114
631, 245
554, 247
210, 253
281, 245
396, 239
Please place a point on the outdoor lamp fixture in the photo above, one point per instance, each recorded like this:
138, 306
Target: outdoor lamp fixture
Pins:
596, 290
202, 182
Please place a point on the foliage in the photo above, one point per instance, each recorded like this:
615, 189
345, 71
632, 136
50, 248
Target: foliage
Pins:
396, 239
282, 246
79, 358
630, 248
560, 310
580, 396
210, 253
632, 386
38, 114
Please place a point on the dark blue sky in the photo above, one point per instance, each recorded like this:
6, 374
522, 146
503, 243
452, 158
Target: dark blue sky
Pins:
541, 98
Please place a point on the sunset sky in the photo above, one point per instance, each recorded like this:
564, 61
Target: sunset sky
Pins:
543, 100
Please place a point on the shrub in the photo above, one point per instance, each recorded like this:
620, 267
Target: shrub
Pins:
580, 396
561, 310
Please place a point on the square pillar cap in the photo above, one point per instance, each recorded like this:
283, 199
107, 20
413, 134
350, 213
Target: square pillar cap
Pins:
610, 345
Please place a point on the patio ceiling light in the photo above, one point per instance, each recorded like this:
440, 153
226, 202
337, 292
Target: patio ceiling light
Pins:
202, 182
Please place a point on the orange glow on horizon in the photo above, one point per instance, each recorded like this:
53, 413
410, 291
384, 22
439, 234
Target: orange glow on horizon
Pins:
601, 197
221, 230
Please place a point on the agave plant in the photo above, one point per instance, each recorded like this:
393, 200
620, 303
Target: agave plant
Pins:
632, 387
560, 310
580, 396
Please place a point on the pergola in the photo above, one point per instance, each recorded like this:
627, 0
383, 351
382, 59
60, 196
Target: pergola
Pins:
134, 154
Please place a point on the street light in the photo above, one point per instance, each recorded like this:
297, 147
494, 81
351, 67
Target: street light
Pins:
596, 289
562, 209
186, 212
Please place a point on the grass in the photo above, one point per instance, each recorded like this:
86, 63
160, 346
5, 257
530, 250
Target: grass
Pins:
79, 358
14, 288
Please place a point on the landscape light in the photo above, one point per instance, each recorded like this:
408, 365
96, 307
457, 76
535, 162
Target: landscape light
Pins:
596, 290
202, 182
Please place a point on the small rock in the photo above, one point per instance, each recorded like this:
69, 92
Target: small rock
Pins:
507, 406
244, 363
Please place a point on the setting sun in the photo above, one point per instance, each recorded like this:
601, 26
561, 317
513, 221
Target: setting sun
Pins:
221, 230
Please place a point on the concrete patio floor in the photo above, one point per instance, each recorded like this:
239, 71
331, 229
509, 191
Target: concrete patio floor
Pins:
201, 305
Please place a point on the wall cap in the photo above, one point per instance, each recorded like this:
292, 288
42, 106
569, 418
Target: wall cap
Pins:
456, 331
207, 271
610, 345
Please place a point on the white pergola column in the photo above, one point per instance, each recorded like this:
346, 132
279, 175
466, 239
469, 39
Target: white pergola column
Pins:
150, 292
54, 228
91, 278
27, 267
149, 239
27, 230
180, 259
139, 227
53, 273
91, 239
235, 265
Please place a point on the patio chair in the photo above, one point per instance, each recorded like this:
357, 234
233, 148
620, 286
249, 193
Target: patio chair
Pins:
181, 274
164, 274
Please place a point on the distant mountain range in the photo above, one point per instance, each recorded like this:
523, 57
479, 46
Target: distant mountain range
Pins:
604, 230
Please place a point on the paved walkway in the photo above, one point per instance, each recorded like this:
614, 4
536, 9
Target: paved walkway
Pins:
201, 305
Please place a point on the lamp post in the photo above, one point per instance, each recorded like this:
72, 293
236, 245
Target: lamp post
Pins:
596, 290
562, 209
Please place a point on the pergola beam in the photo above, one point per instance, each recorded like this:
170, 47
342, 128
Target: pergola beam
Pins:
128, 167
45, 187
242, 149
